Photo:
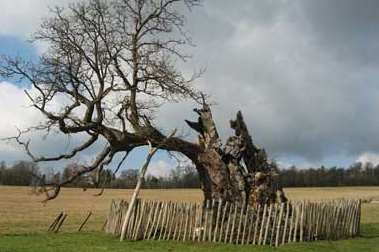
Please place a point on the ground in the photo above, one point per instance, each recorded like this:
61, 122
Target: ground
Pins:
24, 220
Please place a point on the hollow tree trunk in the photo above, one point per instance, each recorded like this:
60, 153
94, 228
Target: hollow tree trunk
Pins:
237, 171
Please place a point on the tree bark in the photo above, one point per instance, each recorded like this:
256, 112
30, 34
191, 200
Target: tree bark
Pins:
237, 171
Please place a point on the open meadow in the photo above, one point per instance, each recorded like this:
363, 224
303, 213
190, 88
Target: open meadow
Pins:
24, 220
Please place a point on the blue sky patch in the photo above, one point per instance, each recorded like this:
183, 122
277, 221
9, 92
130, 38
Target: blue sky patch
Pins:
16, 47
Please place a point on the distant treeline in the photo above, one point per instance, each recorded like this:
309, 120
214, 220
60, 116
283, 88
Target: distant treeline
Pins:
25, 173
28, 173
20, 174
357, 174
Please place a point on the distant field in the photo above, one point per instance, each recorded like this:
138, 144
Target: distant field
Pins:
24, 220
22, 212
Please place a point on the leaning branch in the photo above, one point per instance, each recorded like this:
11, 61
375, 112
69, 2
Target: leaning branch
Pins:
141, 176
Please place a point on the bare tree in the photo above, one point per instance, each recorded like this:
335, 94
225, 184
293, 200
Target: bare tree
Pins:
113, 64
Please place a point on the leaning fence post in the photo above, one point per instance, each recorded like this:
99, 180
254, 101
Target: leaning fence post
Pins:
285, 223
141, 176
159, 219
149, 219
228, 222
85, 221
138, 226
234, 223
222, 221
256, 225
187, 211
247, 217
211, 221
302, 221
279, 223
55, 222
217, 219
267, 224
240, 223
60, 223
201, 223
262, 225
152, 151
206, 220
166, 234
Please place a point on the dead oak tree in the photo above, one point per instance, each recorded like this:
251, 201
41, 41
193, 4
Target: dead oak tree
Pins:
110, 65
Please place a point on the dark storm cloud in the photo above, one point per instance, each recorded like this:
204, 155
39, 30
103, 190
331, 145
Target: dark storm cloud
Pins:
303, 72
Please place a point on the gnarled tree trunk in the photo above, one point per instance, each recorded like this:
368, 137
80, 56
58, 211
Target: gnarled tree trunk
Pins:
237, 171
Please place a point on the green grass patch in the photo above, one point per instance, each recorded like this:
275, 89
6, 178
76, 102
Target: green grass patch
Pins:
96, 241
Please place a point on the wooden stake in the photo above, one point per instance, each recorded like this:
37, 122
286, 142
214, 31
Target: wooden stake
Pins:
206, 220
267, 224
285, 223
163, 221
302, 221
176, 220
247, 217
256, 225
222, 221
228, 224
201, 224
217, 219
297, 210
262, 225
279, 223
60, 223
211, 221
54, 223
149, 219
172, 221
292, 220
138, 226
159, 219
240, 223
85, 221
234, 223
273, 229
141, 176
196, 230
187, 214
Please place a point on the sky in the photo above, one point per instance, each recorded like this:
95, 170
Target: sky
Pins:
303, 72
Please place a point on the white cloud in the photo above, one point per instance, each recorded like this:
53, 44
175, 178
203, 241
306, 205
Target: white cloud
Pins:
16, 113
23, 17
15, 109
159, 168
369, 157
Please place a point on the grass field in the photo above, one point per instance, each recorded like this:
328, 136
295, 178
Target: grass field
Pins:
24, 220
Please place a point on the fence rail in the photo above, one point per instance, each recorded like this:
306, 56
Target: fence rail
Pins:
218, 221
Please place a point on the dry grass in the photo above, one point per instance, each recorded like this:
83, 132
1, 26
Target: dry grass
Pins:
327, 193
21, 211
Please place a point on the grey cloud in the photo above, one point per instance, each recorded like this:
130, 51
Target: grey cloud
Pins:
303, 72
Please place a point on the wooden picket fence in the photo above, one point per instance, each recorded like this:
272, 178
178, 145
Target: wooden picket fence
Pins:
219, 221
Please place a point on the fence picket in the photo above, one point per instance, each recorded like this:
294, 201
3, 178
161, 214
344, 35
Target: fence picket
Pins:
279, 223
222, 221
240, 223
267, 224
219, 221
247, 218
256, 224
